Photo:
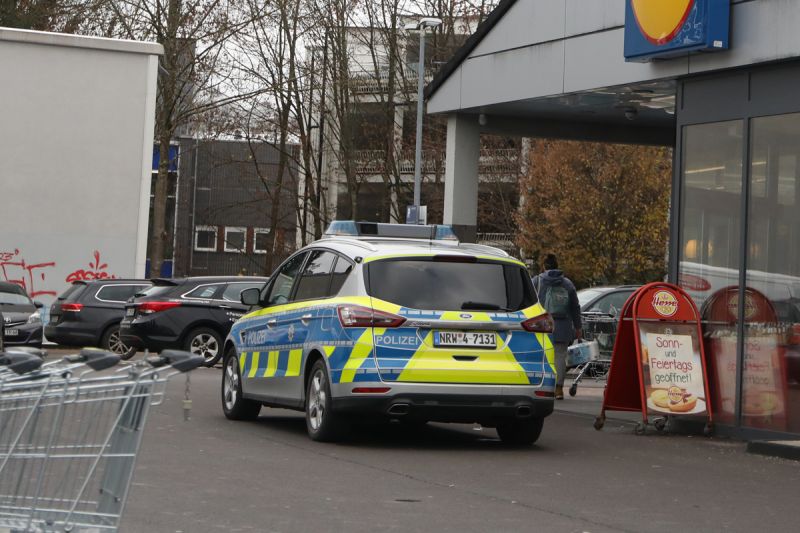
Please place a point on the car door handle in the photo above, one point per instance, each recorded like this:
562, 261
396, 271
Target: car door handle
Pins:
305, 319
272, 323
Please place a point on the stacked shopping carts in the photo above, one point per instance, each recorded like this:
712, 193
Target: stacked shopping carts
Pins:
70, 430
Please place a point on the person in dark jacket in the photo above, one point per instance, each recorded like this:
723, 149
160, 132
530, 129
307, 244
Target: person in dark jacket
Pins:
558, 295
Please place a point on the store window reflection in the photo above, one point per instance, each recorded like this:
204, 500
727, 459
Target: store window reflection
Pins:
712, 180
771, 374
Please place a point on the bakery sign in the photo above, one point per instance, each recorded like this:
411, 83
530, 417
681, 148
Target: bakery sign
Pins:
658, 363
672, 369
660, 29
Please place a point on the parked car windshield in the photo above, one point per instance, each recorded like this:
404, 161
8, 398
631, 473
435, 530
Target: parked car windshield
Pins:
11, 298
587, 295
451, 286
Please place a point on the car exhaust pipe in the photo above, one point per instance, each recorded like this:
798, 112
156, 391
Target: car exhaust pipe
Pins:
399, 409
524, 411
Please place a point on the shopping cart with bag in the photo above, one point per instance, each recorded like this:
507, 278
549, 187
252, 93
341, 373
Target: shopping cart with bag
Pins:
70, 431
585, 356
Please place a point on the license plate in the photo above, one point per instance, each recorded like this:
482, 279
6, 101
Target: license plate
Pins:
465, 339
130, 311
12, 332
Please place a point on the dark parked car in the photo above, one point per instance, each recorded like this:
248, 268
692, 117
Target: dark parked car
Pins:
193, 314
88, 313
600, 309
22, 320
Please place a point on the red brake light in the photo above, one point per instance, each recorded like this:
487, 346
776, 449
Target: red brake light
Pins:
356, 316
539, 324
147, 308
74, 308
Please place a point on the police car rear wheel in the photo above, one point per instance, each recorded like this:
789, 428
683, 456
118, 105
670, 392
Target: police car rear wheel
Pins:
234, 405
321, 423
520, 432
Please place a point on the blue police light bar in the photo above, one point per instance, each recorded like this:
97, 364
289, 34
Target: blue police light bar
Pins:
351, 228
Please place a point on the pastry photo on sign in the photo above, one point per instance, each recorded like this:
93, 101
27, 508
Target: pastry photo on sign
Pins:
674, 374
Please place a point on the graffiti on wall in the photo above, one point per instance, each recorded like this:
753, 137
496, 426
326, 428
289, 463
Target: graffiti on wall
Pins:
97, 270
30, 276
38, 278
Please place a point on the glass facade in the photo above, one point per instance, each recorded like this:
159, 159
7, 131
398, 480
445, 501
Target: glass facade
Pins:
739, 224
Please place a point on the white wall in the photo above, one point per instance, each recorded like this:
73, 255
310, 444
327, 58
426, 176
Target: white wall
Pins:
76, 137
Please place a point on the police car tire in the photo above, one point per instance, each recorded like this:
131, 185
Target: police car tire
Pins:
520, 432
331, 426
242, 409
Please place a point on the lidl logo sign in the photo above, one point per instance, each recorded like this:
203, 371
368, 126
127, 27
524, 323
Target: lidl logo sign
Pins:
669, 28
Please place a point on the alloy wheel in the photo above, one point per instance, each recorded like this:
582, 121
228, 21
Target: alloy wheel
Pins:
231, 383
316, 400
205, 345
116, 345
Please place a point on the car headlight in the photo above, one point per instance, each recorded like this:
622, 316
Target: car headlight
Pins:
35, 318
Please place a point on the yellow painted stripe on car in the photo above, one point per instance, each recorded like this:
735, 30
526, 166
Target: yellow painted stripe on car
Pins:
549, 350
295, 358
476, 317
361, 351
433, 365
242, 360
253, 365
328, 350
272, 365
326, 302
534, 310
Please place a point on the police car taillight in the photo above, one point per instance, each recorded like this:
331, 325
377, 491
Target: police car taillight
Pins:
356, 316
539, 324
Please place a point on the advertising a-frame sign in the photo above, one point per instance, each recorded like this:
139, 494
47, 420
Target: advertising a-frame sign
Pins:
658, 365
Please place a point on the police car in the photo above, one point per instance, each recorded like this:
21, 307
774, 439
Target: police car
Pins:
394, 321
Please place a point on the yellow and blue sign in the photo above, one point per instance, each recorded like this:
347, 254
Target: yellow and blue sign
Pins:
668, 28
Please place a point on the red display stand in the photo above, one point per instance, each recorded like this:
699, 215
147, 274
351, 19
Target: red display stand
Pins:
764, 396
658, 365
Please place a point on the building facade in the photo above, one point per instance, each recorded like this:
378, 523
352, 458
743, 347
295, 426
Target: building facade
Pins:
715, 79
368, 127
225, 195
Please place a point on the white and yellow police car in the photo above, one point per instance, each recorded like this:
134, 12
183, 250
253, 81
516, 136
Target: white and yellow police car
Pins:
398, 321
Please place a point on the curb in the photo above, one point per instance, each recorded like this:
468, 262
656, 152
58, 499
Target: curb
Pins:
785, 449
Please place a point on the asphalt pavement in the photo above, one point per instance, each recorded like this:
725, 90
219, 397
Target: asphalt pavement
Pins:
211, 474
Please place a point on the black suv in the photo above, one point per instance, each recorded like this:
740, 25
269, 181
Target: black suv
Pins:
193, 314
88, 314
21, 318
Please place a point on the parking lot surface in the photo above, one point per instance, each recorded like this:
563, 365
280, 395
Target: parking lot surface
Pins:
211, 474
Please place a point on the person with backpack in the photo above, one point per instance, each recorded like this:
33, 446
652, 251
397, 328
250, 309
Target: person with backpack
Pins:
558, 296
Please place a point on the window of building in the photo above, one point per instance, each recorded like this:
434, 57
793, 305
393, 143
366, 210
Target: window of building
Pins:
235, 239
260, 240
772, 308
205, 238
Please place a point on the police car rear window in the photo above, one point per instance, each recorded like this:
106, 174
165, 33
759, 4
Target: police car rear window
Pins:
451, 286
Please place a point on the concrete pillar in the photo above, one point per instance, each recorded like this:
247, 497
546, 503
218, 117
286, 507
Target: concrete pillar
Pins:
461, 175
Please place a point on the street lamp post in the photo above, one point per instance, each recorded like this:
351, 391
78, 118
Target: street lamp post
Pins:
421, 26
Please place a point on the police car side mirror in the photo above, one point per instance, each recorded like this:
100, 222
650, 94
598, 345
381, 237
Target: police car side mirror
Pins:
250, 296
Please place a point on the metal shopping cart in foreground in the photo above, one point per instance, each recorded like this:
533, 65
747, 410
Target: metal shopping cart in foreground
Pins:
70, 430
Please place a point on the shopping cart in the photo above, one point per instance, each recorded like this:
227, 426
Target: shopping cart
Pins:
596, 368
70, 430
